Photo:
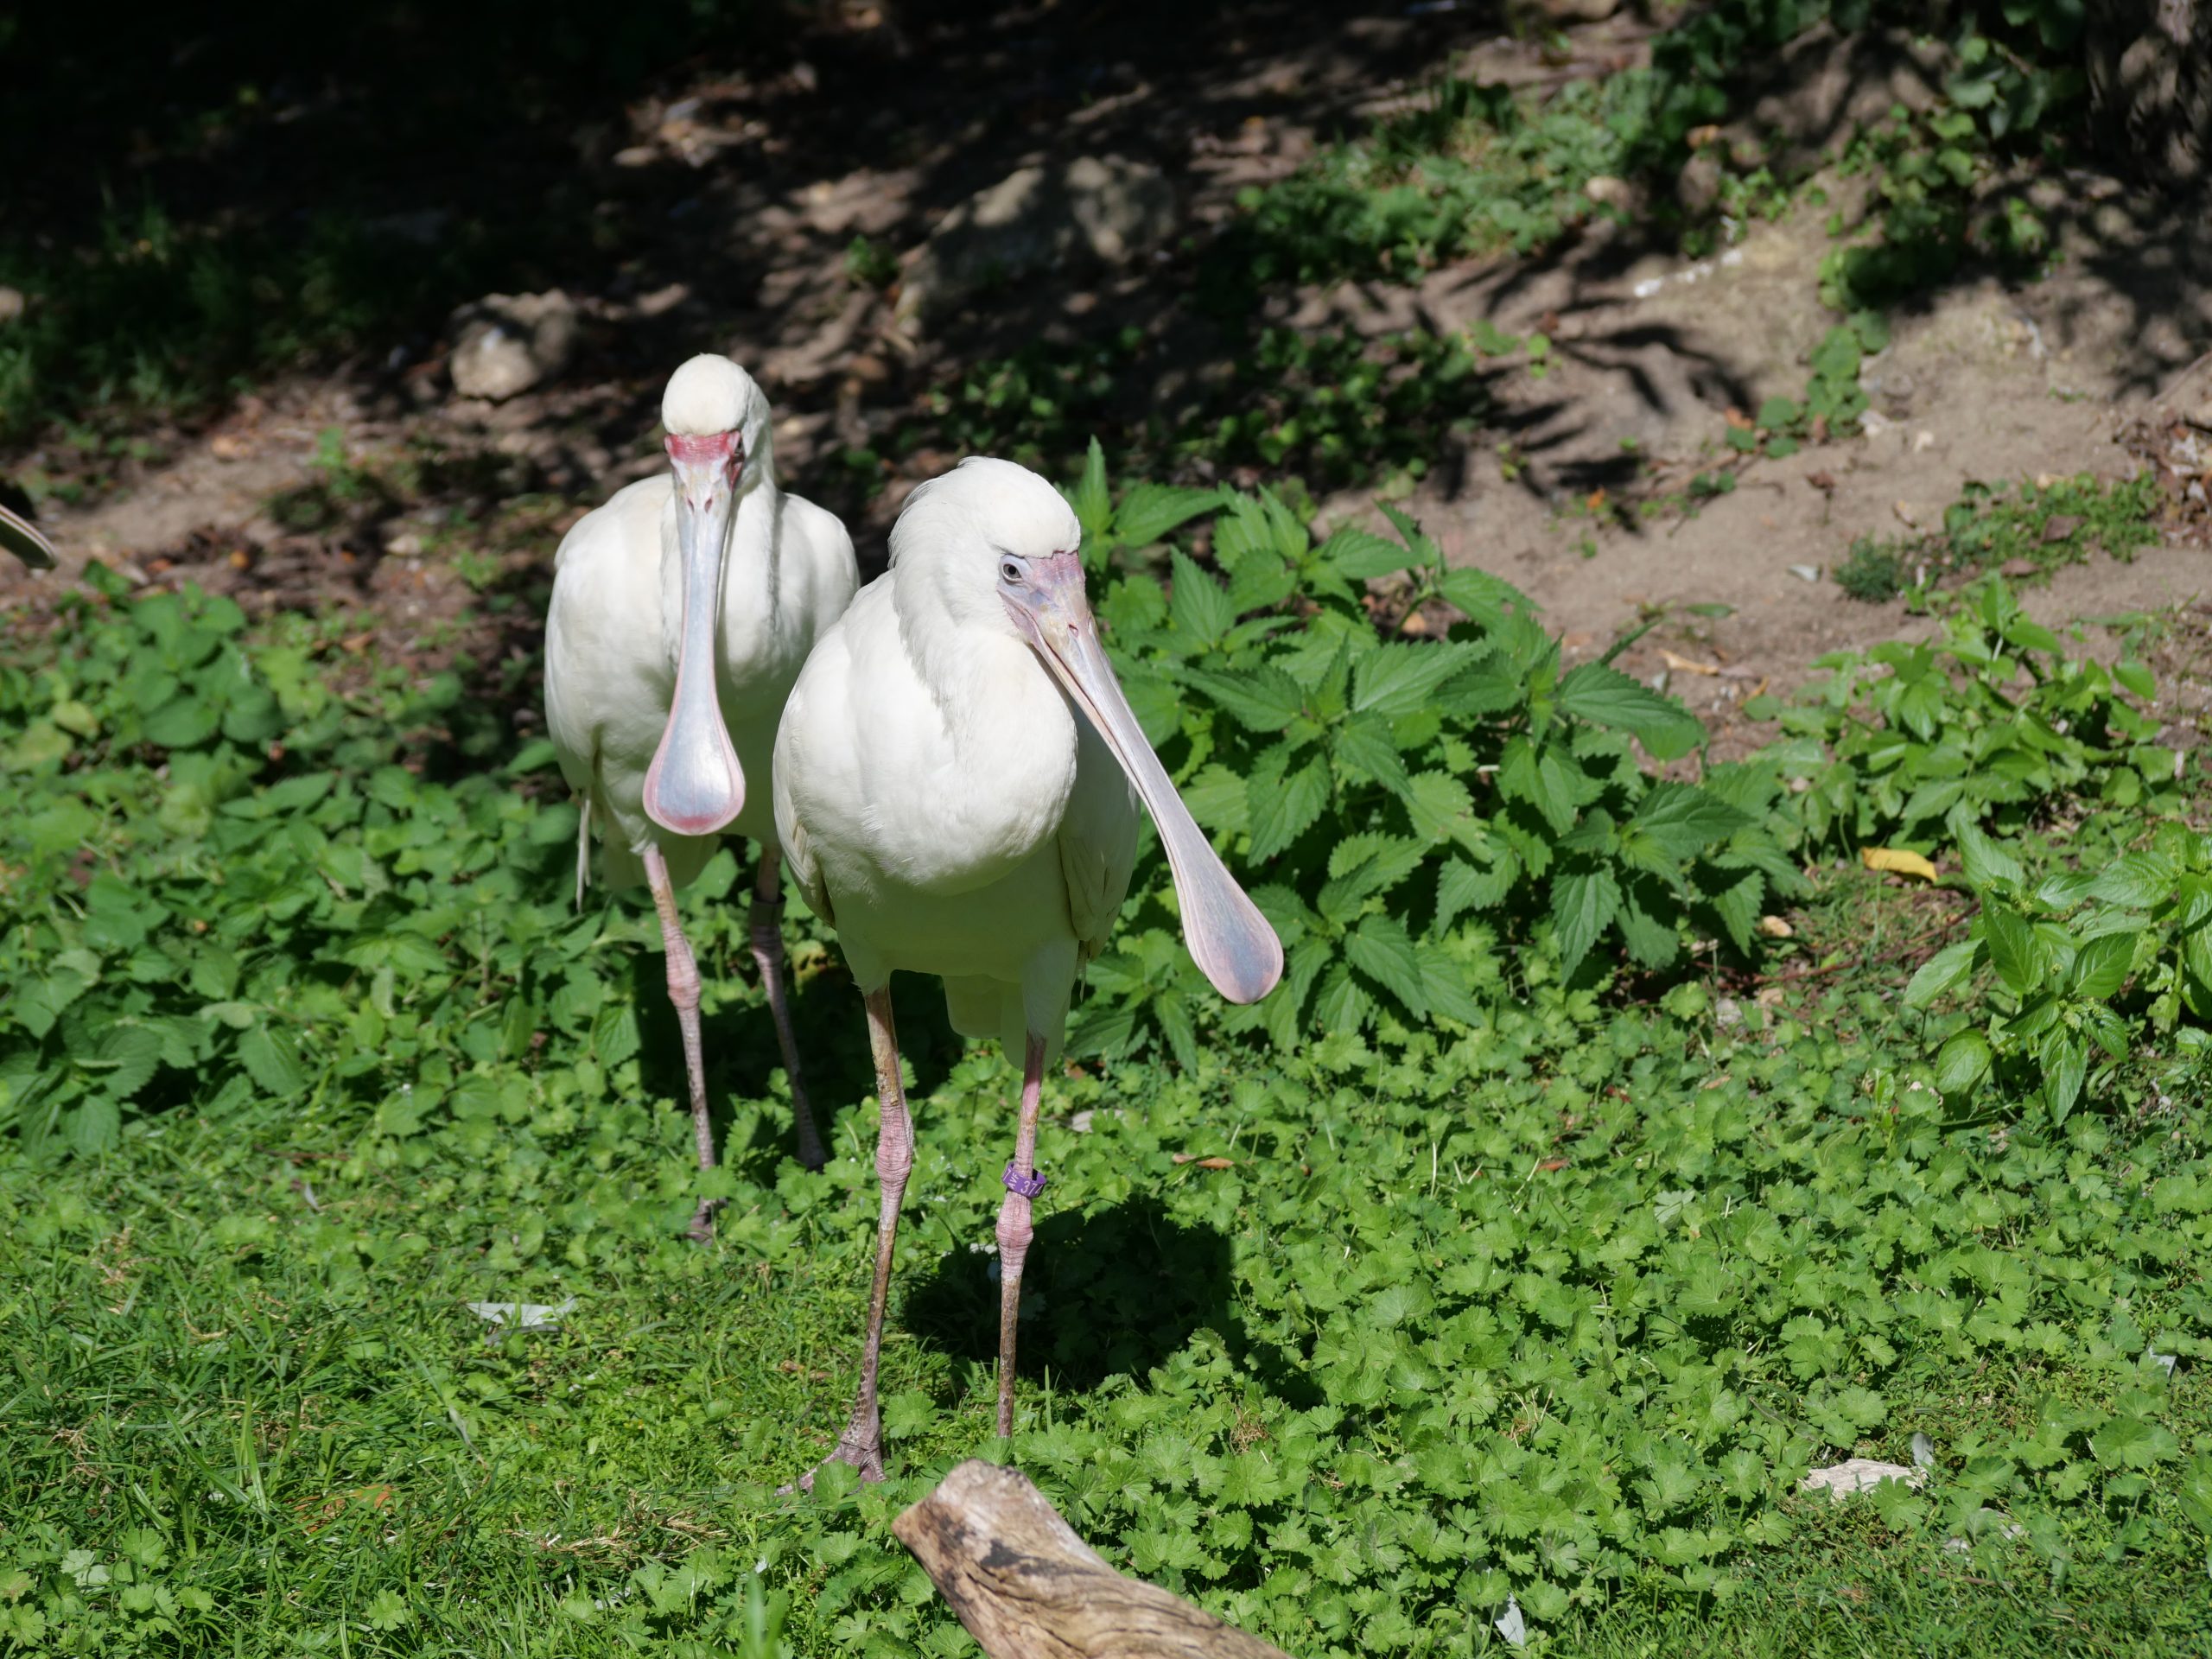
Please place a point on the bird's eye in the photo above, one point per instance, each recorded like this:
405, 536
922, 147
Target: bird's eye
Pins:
1009, 571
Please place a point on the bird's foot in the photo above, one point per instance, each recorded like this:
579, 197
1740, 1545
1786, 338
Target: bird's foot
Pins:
860, 1446
702, 1230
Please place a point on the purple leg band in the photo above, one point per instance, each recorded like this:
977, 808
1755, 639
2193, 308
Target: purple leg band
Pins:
1023, 1186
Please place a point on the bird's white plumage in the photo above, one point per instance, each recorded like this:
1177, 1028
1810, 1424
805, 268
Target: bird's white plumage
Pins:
940, 800
612, 633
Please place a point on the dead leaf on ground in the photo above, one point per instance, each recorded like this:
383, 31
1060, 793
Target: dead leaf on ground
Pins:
1204, 1163
1689, 664
1897, 861
1775, 928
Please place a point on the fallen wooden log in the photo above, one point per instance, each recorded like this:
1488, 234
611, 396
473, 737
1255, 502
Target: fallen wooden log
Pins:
1026, 1588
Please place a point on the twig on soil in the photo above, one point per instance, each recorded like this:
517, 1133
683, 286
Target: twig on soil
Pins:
1904, 949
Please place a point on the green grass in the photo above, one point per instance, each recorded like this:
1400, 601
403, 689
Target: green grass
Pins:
2035, 527
1461, 1325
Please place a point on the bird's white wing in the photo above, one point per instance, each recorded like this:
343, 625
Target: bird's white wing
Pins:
813, 744
821, 542
1098, 841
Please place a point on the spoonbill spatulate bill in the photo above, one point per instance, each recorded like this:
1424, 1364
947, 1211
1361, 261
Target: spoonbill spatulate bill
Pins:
957, 781
682, 612
22, 538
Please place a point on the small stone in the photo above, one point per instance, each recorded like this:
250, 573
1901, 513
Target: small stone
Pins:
1082, 1121
1923, 1451
1806, 572
1775, 928
1608, 191
2200, 417
1727, 1013
406, 544
1697, 186
505, 343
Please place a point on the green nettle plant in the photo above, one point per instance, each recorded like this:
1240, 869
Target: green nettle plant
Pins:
218, 885
1401, 808
2135, 932
1992, 726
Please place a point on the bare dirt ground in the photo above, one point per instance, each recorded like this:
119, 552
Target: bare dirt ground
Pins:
735, 192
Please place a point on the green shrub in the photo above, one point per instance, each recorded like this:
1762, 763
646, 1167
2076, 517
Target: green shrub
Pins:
1992, 726
1404, 810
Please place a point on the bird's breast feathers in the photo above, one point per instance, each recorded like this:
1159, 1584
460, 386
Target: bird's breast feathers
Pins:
938, 787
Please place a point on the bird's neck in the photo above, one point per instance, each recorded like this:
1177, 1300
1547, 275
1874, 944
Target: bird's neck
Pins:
995, 697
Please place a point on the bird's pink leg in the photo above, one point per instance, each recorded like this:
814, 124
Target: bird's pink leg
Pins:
1023, 1184
683, 992
861, 1443
766, 930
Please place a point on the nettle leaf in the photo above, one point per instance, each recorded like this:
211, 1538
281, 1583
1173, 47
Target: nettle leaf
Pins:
1365, 746
1985, 860
1685, 819
2135, 881
2101, 965
185, 723
2014, 950
1400, 679
1440, 809
1737, 907
1646, 924
1093, 505
272, 1060
1483, 597
1263, 699
1962, 1062
1359, 555
1461, 885
1380, 948
1546, 778
1340, 1005
1605, 697
1148, 511
124, 1058
2065, 1060
1197, 604
1218, 800
1444, 982
1389, 858
1423, 546
1283, 807
1944, 971
1583, 903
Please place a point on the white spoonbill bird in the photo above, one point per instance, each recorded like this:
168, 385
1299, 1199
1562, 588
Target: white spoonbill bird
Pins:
953, 785
681, 611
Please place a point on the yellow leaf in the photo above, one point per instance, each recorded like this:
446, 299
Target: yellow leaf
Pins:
1897, 861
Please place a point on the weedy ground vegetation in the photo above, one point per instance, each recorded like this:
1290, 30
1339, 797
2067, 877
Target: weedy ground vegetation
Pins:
1516, 1252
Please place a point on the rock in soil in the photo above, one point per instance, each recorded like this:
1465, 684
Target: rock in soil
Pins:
505, 343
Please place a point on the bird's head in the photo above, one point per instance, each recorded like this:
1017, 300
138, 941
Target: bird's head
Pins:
717, 421
1000, 548
717, 443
